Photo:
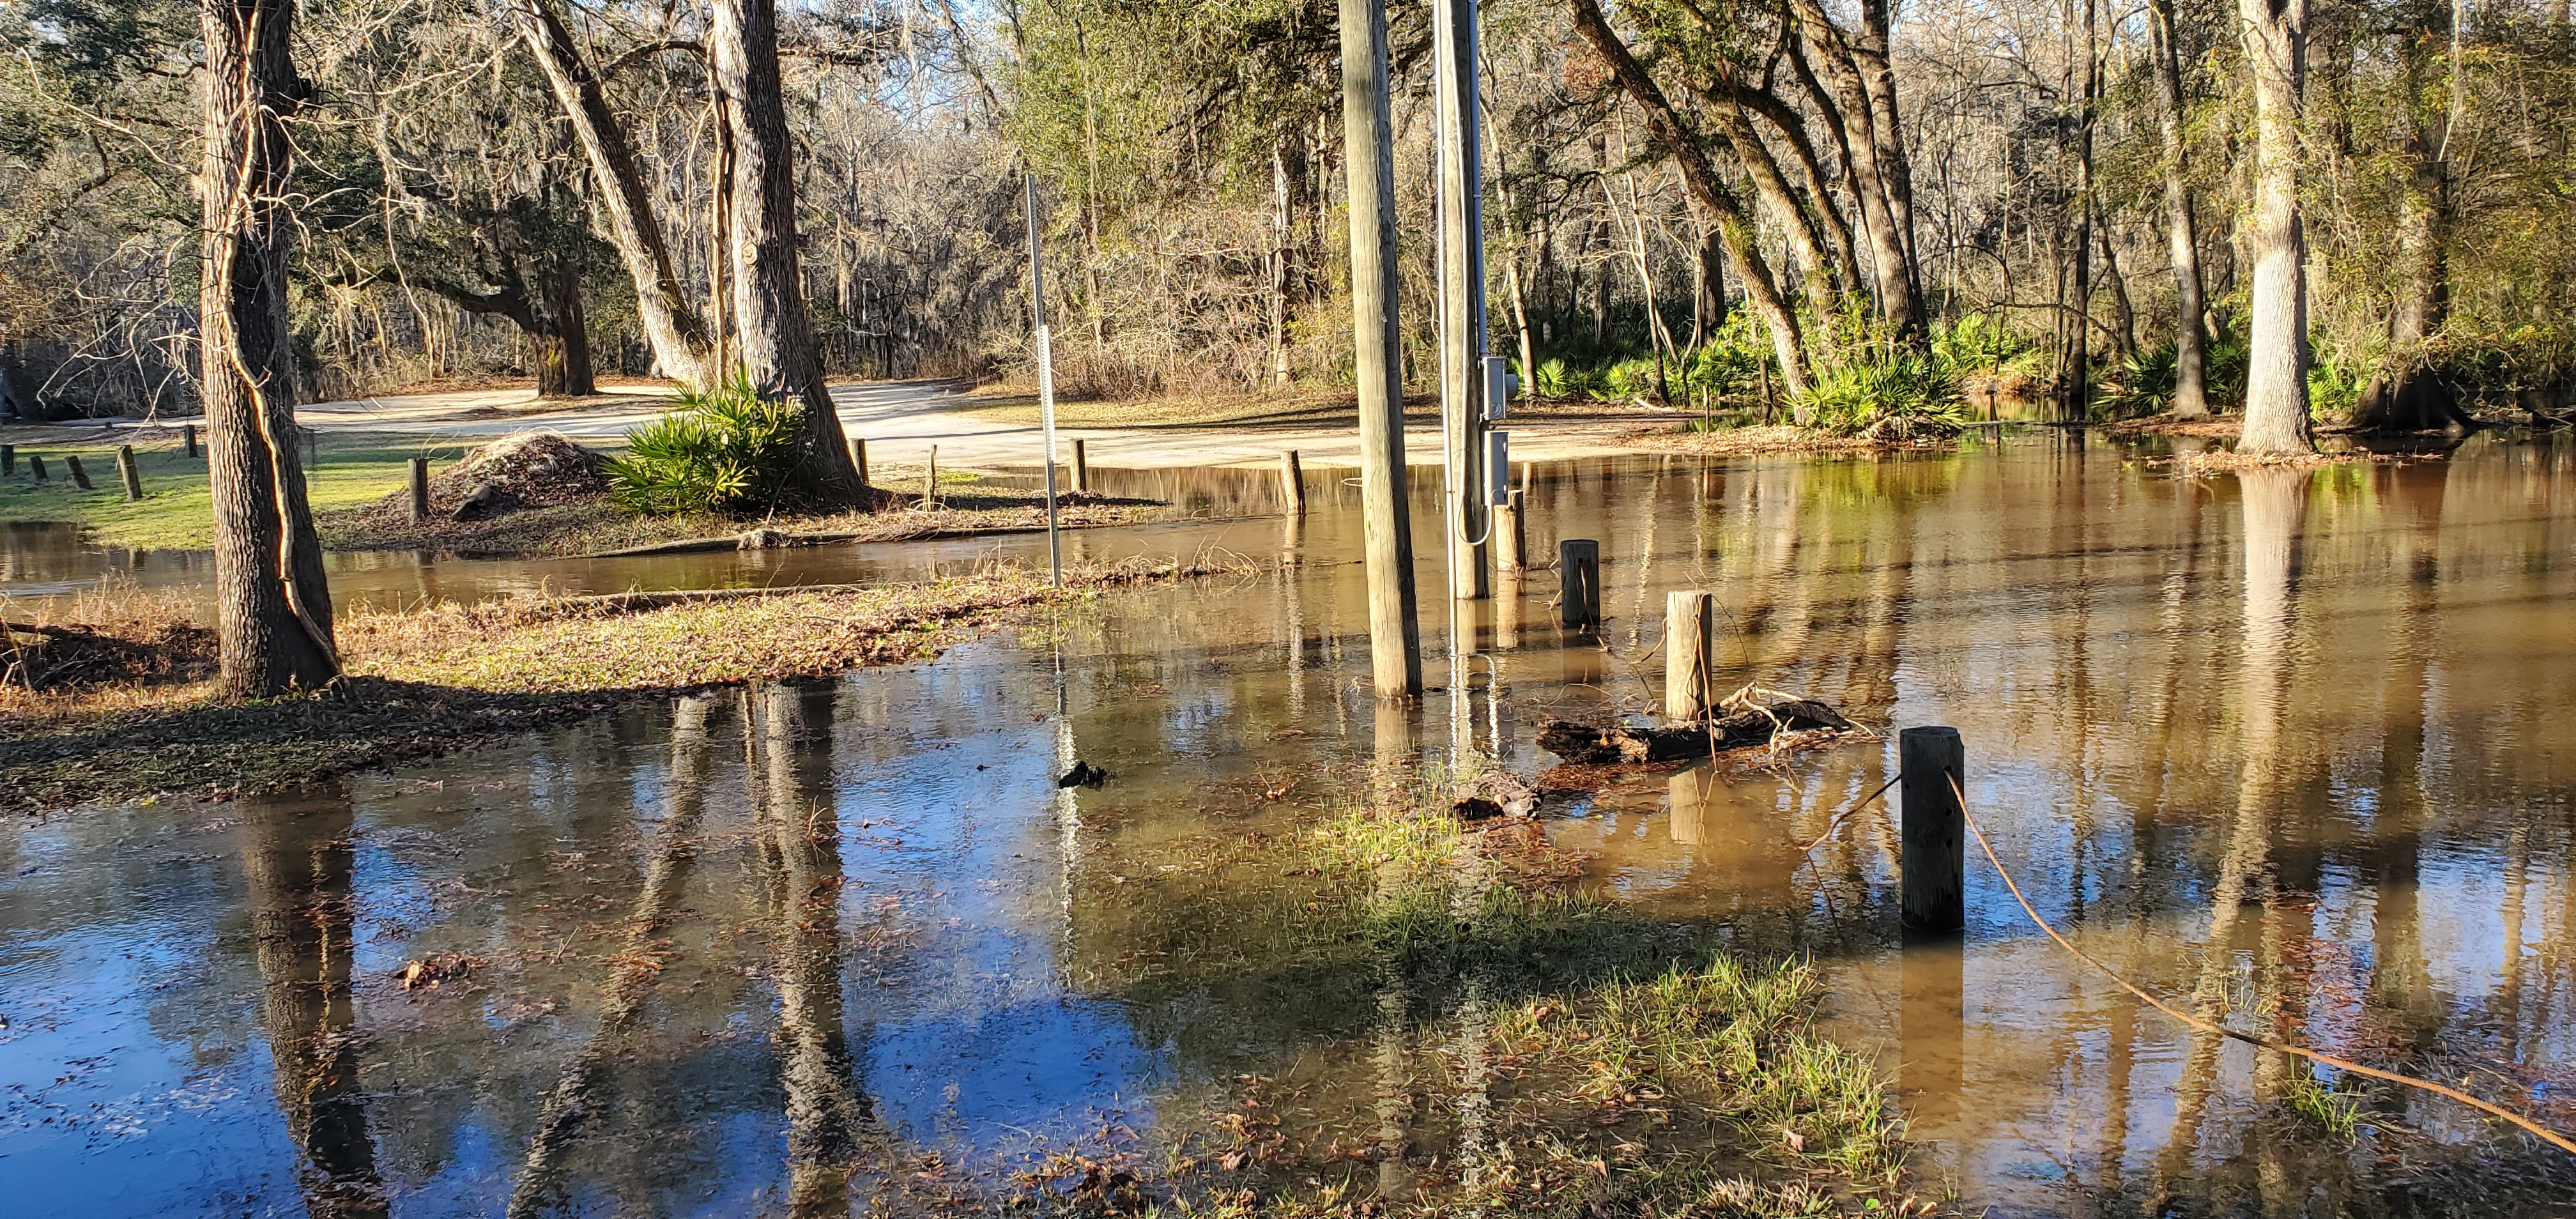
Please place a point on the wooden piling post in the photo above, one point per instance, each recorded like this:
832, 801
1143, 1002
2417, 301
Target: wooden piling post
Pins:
8, 459
1578, 582
1511, 542
419, 490
1292, 483
188, 433
1933, 832
859, 460
1081, 468
1377, 350
930, 482
1690, 637
36, 464
125, 471
80, 477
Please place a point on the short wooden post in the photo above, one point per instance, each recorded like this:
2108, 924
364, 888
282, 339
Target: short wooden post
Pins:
1933, 832
80, 477
419, 490
859, 460
188, 432
1292, 483
930, 482
1081, 468
125, 470
37, 464
1511, 542
1690, 633
8, 459
1578, 582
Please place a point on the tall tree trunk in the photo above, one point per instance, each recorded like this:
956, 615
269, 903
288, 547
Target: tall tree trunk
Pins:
677, 334
2276, 385
2191, 335
273, 607
1760, 291
1875, 163
1712, 286
2403, 395
563, 337
1278, 265
775, 331
2079, 384
2125, 334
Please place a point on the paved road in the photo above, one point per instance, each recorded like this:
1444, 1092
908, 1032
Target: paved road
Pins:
902, 419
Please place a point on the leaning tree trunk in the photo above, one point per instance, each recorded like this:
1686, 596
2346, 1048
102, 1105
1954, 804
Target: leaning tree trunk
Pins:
769, 316
1761, 292
273, 608
677, 334
2191, 344
562, 336
2276, 383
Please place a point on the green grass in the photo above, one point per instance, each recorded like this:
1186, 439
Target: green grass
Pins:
176, 511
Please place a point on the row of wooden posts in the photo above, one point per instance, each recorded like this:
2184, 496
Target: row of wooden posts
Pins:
126, 471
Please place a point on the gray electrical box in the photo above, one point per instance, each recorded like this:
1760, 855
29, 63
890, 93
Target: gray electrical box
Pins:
1498, 468
1499, 384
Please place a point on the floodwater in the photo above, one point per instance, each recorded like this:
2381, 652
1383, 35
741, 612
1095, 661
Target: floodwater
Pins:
40, 561
2288, 745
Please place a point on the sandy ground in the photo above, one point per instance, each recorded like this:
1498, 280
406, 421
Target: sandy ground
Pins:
901, 420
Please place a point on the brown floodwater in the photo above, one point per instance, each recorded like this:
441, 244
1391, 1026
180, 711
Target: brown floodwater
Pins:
2289, 745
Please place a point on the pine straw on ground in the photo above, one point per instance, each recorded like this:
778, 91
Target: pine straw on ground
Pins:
2222, 461
433, 680
2223, 427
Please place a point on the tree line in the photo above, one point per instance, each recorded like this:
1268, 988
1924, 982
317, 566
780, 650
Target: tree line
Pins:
236, 205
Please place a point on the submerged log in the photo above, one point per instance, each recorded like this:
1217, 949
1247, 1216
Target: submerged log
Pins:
1754, 717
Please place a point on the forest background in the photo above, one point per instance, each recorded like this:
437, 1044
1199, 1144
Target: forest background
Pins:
1696, 202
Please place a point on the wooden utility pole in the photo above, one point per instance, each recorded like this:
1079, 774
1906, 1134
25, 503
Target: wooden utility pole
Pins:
1368, 143
1462, 295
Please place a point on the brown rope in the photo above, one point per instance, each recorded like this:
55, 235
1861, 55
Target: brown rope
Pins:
2554, 1139
1839, 818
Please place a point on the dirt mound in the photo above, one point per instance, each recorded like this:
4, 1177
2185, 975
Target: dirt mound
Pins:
533, 469
522, 470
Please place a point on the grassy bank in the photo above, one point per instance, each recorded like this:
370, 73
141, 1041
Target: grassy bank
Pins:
348, 470
358, 486
432, 680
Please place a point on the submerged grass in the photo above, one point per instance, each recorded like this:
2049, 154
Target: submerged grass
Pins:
1621, 1066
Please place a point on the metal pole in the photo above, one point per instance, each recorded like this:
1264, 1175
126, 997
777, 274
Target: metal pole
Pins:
1046, 377
1368, 144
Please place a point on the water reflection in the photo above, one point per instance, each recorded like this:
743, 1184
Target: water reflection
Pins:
2276, 746
296, 860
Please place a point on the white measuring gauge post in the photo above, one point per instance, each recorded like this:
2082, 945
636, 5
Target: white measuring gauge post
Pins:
1045, 350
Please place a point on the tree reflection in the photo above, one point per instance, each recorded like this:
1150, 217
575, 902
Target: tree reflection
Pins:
296, 856
789, 733
575, 1098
